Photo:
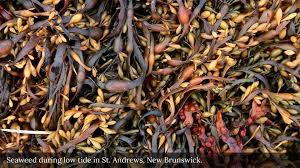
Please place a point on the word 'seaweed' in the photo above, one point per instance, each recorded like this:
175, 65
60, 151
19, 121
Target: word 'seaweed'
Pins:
212, 78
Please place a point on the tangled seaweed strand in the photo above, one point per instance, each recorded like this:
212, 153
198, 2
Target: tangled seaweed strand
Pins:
215, 78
